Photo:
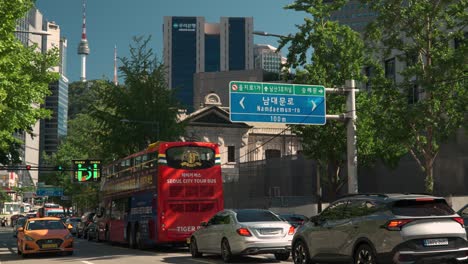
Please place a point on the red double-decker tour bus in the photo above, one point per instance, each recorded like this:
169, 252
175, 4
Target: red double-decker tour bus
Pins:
160, 195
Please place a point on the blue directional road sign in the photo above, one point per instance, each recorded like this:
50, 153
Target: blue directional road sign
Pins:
277, 103
49, 191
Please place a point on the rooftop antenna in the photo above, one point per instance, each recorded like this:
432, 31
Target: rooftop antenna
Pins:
116, 81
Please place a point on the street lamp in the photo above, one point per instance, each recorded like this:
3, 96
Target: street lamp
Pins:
266, 34
41, 33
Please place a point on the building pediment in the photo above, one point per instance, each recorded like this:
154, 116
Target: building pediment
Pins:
212, 116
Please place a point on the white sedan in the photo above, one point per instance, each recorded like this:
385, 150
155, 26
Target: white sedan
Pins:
243, 232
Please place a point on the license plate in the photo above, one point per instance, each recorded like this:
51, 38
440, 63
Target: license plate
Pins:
435, 242
270, 231
49, 245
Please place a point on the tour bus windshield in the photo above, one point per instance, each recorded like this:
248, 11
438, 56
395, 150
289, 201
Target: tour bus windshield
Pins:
189, 157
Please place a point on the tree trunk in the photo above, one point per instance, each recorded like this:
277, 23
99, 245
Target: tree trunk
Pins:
429, 180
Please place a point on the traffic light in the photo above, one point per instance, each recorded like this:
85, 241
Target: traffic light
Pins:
59, 168
28, 167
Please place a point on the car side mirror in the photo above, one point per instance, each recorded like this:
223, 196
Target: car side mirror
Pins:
69, 226
204, 224
20, 229
316, 220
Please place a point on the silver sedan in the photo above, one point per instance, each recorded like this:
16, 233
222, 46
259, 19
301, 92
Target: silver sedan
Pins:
243, 232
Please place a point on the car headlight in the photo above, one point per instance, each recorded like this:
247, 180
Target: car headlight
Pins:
28, 238
68, 236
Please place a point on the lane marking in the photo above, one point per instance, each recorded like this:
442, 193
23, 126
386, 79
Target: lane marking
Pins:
84, 261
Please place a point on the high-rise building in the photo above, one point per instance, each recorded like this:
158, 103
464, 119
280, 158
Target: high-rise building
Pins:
354, 14
267, 58
53, 130
192, 46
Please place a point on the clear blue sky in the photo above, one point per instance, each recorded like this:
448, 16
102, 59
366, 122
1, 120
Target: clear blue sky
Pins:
116, 22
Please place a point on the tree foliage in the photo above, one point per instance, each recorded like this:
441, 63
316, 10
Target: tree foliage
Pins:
421, 35
140, 111
80, 144
24, 78
336, 54
109, 122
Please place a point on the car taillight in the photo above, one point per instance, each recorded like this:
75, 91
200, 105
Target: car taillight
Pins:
397, 224
291, 230
244, 232
460, 221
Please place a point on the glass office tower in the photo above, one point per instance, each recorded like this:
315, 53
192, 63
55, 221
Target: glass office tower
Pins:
192, 46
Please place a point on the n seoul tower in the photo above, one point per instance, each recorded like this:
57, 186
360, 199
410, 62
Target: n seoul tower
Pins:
83, 48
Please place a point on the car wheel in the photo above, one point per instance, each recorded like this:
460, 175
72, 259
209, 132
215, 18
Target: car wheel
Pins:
194, 249
226, 254
282, 256
300, 253
364, 255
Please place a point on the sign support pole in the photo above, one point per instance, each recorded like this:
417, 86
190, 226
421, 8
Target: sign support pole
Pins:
351, 137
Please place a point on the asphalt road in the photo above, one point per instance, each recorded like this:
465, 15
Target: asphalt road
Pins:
87, 252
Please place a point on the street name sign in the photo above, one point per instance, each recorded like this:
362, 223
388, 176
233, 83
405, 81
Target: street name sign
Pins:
49, 191
277, 103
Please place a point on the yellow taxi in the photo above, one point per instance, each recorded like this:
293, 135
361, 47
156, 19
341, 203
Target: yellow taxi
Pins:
45, 234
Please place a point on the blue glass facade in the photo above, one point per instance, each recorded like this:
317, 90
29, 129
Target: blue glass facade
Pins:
184, 58
236, 43
212, 53
53, 130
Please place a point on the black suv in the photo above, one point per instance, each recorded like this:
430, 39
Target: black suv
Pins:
86, 219
383, 228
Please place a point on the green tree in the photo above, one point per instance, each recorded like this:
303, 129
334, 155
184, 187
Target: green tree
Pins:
80, 144
421, 35
332, 44
336, 54
144, 101
24, 78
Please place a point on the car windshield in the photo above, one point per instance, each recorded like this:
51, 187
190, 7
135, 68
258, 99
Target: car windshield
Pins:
45, 224
256, 216
73, 220
422, 207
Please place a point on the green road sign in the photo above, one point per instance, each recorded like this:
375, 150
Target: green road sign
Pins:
277, 103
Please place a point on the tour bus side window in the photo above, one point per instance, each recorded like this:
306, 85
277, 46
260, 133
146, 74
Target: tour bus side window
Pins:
138, 163
144, 161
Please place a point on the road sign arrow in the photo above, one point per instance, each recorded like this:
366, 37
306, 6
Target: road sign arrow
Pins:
314, 105
241, 102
